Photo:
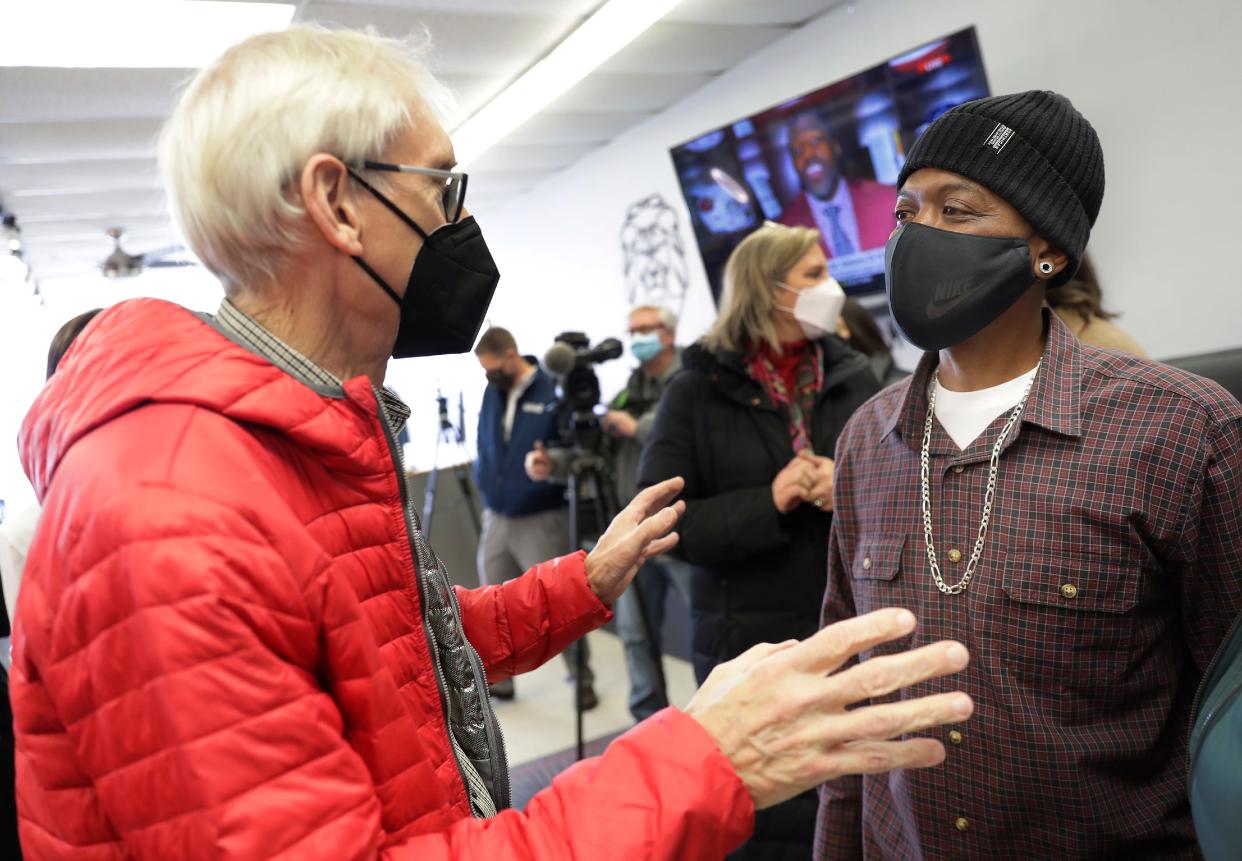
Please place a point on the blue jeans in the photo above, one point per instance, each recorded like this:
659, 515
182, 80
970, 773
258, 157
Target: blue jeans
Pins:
654, 579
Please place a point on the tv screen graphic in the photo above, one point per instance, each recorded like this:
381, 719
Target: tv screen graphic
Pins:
828, 159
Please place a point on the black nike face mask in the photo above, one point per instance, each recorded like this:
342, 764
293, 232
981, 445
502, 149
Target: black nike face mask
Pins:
945, 287
449, 289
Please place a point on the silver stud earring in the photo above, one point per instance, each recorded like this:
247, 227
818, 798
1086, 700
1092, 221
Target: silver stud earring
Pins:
1045, 267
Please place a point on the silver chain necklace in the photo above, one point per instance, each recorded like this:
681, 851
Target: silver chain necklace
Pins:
960, 586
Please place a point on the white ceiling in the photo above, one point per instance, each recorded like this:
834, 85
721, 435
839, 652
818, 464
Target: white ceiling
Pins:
77, 146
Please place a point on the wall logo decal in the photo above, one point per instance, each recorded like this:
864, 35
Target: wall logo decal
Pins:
654, 255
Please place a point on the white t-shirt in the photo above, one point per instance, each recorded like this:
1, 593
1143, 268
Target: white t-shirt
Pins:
16, 533
515, 394
965, 415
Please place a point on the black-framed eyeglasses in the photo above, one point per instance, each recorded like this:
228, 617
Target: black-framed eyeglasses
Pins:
453, 195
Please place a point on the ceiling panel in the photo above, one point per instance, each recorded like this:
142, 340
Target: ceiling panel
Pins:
687, 48
53, 95
526, 157
75, 140
459, 42
509, 8
111, 204
471, 93
629, 93
581, 127
750, 12
43, 232
74, 175
498, 183
98, 247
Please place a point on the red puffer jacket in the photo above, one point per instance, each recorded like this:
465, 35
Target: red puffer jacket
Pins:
220, 652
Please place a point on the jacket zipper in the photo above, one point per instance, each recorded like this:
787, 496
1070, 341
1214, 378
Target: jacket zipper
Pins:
415, 548
1203, 683
499, 751
496, 739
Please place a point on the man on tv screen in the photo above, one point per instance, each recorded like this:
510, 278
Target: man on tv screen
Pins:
851, 215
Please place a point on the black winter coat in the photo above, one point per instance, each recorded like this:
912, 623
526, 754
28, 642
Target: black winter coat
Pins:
758, 575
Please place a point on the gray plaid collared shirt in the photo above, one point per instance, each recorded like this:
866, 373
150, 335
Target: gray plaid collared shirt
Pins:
241, 326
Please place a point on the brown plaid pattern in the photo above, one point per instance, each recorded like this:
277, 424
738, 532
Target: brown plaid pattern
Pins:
1112, 569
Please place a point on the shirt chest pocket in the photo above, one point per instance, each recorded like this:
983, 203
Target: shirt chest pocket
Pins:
1068, 623
878, 582
875, 573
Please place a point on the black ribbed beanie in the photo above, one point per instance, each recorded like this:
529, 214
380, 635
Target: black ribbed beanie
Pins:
1035, 151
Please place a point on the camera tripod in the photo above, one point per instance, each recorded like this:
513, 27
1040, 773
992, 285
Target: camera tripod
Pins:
453, 436
591, 484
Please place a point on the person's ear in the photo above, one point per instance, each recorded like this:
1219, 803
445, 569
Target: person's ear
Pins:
324, 185
1046, 260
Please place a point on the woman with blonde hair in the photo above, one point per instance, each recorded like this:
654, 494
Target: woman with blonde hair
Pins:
1079, 304
751, 425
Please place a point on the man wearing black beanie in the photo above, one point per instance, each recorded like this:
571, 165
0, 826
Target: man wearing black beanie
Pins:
1071, 513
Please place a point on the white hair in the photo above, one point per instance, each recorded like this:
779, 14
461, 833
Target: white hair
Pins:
232, 153
667, 318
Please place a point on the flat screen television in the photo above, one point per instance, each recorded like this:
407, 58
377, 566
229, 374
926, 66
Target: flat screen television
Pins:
827, 159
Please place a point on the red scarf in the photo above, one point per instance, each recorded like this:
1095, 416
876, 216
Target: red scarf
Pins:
793, 379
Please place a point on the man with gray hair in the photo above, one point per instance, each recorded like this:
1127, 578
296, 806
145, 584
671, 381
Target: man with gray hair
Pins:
631, 415
233, 639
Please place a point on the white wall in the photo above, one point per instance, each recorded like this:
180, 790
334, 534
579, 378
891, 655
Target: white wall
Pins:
1157, 79
27, 327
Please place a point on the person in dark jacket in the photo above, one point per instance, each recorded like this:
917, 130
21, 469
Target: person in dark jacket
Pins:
859, 329
523, 520
751, 424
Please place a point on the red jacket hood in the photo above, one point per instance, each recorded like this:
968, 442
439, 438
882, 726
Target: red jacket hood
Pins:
148, 351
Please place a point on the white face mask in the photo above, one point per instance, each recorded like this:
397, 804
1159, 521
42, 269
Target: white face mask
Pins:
817, 308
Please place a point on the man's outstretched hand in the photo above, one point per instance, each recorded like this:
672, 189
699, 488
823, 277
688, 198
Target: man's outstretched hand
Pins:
779, 711
634, 536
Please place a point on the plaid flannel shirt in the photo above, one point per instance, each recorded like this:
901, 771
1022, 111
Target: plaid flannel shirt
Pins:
1112, 569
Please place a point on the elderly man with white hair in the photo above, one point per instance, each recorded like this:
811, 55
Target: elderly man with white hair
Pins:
233, 640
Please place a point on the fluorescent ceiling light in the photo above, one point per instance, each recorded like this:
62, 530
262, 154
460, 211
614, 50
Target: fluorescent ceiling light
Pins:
150, 34
615, 25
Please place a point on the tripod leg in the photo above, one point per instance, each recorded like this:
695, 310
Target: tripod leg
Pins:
607, 500
467, 494
575, 542
429, 497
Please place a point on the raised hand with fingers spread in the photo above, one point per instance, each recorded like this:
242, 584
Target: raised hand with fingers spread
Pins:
639, 532
781, 713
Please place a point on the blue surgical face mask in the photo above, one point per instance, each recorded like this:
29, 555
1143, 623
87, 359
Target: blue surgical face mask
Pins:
646, 347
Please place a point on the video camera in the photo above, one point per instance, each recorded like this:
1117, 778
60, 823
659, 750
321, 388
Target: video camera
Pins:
572, 359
